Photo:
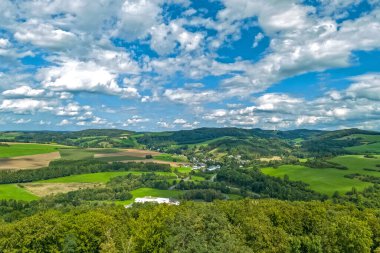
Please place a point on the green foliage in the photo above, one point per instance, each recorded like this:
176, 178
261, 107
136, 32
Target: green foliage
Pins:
62, 168
222, 226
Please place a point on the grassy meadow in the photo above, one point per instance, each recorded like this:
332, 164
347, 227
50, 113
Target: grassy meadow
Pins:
13, 191
329, 180
23, 149
101, 177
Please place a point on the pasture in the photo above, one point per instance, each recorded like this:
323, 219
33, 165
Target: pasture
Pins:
13, 191
366, 148
170, 158
101, 177
329, 180
8, 150
325, 181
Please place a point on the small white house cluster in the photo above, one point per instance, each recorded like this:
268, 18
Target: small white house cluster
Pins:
213, 168
150, 199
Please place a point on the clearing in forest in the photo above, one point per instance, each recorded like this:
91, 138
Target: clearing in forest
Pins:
46, 189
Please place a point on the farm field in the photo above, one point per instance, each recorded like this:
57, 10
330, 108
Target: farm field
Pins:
138, 153
8, 150
363, 137
101, 177
170, 158
45, 189
325, 181
366, 148
28, 162
13, 191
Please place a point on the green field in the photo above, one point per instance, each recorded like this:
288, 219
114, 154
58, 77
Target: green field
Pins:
366, 148
119, 158
363, 137
330, 180
325, 181
185, 170
76, 154
170, 158
13, 191
23, 149
101, 177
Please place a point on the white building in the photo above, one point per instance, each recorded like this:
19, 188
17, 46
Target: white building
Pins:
150, 199
214, 167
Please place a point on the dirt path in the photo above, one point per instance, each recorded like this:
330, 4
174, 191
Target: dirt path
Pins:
28, 162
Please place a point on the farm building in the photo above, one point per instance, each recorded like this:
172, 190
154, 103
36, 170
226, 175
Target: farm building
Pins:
157, 200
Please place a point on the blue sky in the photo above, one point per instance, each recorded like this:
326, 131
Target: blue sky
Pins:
153, 65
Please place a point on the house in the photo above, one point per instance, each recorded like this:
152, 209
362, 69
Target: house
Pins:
213, 167
149, 199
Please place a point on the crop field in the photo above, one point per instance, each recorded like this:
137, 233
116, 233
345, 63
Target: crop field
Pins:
363, 137
23, 149
46, 189
13, 191
101, 177
170, 158
119, 158
130, 153
28, 162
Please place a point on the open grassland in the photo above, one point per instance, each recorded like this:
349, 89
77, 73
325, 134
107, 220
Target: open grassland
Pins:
171, 158
325, 181
45, 189
138, 153
101, 177
8, 150
183, 169
363, 137
28, 162
330, 180
366, 148
13, 191
357, 164
76, 154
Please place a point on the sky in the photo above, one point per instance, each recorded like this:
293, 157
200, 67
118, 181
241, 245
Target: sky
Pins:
160, 65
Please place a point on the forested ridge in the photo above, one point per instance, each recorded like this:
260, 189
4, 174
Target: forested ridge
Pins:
221, 226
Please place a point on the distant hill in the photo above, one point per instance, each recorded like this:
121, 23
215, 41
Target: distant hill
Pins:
223, 140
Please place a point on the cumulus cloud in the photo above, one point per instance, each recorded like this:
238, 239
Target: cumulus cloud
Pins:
76, 76
365, 86
23, 91
25, 105
45, 35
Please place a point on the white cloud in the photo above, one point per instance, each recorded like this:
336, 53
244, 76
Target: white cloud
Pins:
179, 121
45, 35
137, 18
23, 91
75, 76
259, 37
22, 121
64, 122
135, 120
365, 86
25, 105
